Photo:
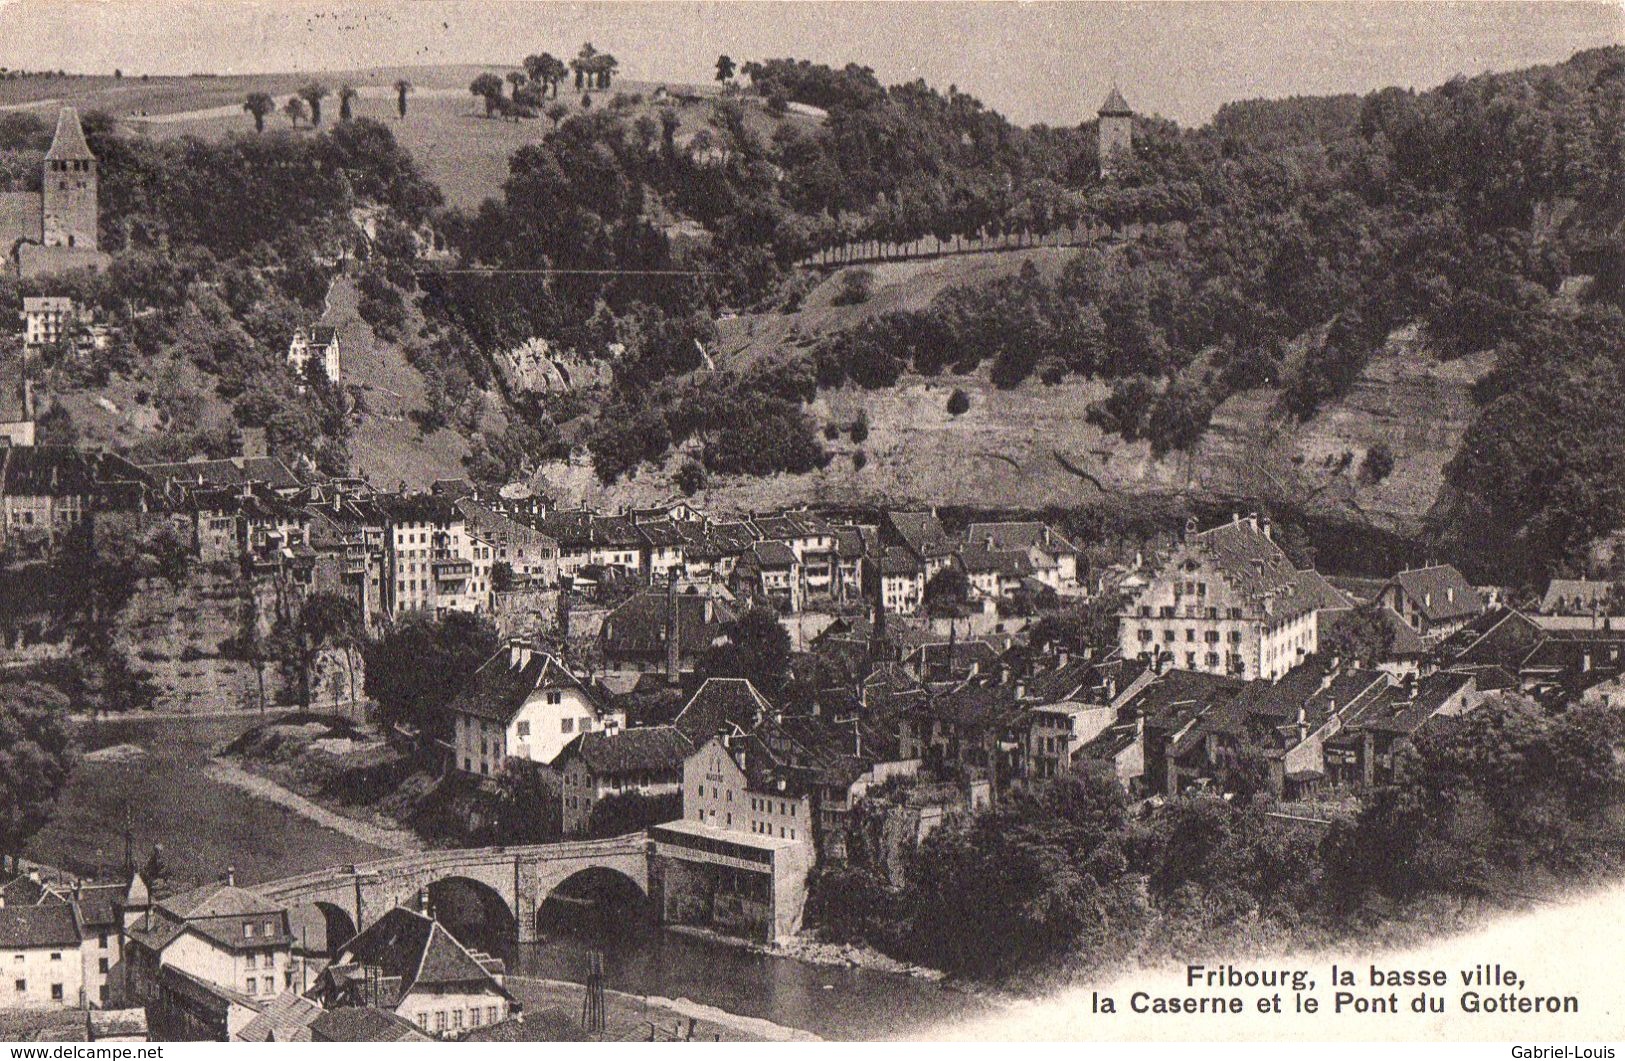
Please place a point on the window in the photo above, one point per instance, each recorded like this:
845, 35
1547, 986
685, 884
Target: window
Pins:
440, 1020
253, 986
56, 955
491, 1014
248, 930
456, 1018
474, 1016
270, 929
101, 965
554, 696
524, 729
251, 962
22, 985
423, 1021
56, 992
567, 725
270, 985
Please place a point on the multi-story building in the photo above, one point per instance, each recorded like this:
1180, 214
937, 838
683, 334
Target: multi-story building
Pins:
47, 319
319, 344
1434, 601
40, 945
531, 554
522, 704
1228, 601
601, 763
219, 933
901, 578
1054, 560
434, 563
811, 538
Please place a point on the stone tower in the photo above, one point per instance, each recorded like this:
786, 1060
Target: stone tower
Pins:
69, 196
1116, 133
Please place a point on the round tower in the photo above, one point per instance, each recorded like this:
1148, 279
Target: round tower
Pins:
1116, 133
69, 190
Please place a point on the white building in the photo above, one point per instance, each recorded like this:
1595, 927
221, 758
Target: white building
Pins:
47, 319
321, 344
40, 945
219, 933
522, 704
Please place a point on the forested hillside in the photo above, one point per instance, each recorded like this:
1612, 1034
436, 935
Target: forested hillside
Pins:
1266, 260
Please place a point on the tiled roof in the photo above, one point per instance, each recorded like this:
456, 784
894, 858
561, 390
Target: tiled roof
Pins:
1258, 570
41, 925
719, 703
230, 471
922, 533
773, 554
69, 142
1017, 535
500, 687
60, 471
638, 624
898, 561
1440, 592
363, 1024
416, 949
1115, 106
285, 1019
219, 899
1007, 563
419, 508
641, 749
1574, 594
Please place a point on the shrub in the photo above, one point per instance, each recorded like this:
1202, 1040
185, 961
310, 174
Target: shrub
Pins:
958, 402
832, 432
857, 287
859, 459
1377, 465
859, 430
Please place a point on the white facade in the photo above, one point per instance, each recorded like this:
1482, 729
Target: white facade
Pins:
42, 977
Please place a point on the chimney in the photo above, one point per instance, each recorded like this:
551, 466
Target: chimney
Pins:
1303, 722
1266, 528
519, 652
231, 876
1061, 657
1139, 725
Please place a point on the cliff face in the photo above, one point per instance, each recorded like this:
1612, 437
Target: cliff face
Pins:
1030, 446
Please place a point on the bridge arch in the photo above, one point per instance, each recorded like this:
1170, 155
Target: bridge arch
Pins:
320, 927
474, 911
600, 900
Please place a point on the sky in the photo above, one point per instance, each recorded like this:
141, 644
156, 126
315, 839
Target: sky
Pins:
1049, 62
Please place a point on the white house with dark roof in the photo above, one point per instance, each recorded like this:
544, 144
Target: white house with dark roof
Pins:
219, 933
1434, 601
647, 760
40, 945
522, 704
1228, 601
406, 963
1054, 560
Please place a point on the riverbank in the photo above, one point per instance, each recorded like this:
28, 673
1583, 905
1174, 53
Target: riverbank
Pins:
817, 952
399, 841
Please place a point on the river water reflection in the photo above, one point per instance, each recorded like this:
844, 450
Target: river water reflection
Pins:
833, 1002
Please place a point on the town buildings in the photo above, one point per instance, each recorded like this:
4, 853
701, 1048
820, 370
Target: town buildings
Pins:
315, 344
1228, 601
218, 933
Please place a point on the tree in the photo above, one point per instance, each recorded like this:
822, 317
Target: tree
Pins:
420, 663
403, 88
1360, 635
632, 812
725, 68
501, 576
313, 93
295, 110
259, 104
347, 95
556, 112
323, 620
856, 287
35, 759
947, 588
516, 80
546, 71
488, 87
755, 646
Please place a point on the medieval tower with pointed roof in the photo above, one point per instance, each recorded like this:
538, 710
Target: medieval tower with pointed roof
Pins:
1116, 134
69, 192
54, 229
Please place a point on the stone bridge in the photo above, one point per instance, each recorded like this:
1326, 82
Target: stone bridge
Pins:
522, 877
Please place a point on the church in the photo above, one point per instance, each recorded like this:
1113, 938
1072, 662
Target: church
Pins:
54, 229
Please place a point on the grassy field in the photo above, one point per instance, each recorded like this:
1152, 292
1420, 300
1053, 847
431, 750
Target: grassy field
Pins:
155, 787
445, 128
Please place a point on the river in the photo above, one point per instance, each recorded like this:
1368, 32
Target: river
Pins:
147, 776
831, 1001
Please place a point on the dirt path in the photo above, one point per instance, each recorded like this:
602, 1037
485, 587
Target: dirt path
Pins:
397, 840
